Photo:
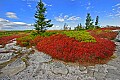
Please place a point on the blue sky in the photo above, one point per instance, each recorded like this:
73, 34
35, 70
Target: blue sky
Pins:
19, 14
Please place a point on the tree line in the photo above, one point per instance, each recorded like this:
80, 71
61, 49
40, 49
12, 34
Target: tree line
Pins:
42, 23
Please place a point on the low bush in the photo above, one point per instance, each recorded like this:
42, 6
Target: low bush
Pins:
81, 36
68, 49
36, 40
108, 34
6, 39
25, 40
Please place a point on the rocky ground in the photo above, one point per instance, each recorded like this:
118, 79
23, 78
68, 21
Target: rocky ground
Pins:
43, 67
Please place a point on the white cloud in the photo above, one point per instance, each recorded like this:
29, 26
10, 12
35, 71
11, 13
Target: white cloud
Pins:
73, 18
50, 5
115, 11
117, 4
62, 18
55, 27
6, 24
11, 15
47, 4
66, 16
87, 7
29, 6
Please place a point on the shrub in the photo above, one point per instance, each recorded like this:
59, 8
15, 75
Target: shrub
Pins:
108, 34
81, 36
6, 39
25, 41
47, 34
36, 40
68, 49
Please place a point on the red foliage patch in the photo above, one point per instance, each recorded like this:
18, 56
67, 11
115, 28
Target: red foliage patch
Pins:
110, 28
36, 40
68, 49
4, 40
103, 34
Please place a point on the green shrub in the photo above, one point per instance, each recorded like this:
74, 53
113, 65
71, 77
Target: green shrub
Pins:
47, 34
81, 36
25, 41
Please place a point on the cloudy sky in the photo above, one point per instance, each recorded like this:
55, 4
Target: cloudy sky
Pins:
19, 14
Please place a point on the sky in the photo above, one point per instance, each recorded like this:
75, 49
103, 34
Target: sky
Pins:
19, 14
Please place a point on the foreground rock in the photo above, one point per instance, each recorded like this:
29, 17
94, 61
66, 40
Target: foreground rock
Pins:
14, 68
4, 57
39, 57
59, 68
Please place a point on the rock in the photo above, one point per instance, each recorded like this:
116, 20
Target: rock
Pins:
46, 66
59, 68
74, 70
99, 75
117, 43
3, 50
39, 57
115, 63
101, 68
17, 48
4, 77
9, 46
1, 46
4, 57
113, 71
14, 68
82, 68
112, 76
91, 68
69, 77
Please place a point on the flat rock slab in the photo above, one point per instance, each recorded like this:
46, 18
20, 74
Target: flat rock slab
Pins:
112, 76
39, 57
10, 46
3, 50
58, 68
4, 57
4, 77
14, 67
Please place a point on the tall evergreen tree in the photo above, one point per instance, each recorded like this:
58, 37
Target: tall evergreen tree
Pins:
41, 23
97, 20
88, 21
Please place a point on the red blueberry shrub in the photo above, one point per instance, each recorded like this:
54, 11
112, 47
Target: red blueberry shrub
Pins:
6, 39
68, 49
36, 40
108, 34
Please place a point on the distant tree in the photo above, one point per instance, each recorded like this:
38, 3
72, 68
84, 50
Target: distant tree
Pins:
69, 28
66, 27
79, 27
97, 22
88, 21
97, 18
41, 23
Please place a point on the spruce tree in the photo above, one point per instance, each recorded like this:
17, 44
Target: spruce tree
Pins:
41, 23
97, 22
88, 21
97, 18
